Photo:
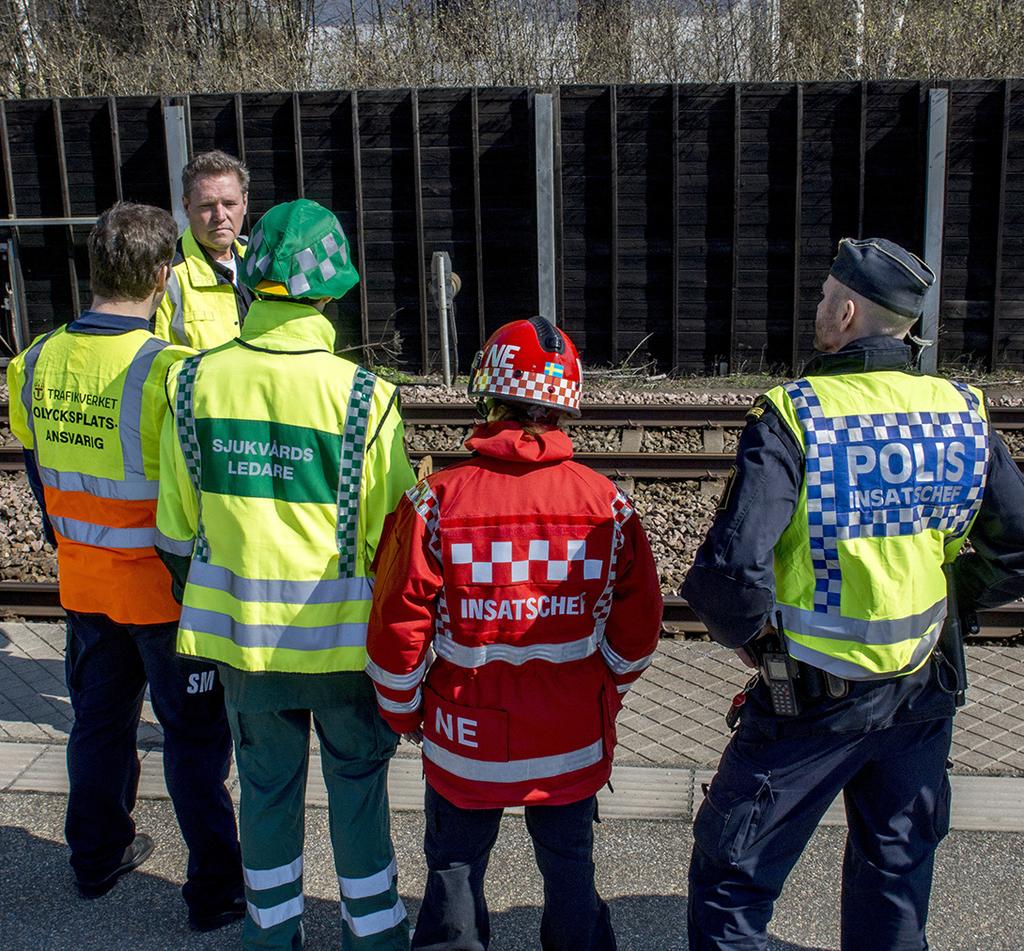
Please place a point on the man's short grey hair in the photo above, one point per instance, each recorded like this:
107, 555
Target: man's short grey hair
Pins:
882, 321
213, 163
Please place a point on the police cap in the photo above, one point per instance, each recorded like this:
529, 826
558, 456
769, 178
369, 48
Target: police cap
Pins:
885, 273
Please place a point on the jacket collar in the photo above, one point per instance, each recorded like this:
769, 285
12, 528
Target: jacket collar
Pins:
508, 441
93, 322
203, 271
861, 356
287, 327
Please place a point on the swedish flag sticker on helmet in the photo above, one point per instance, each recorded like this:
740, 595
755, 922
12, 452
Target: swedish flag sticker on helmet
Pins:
298, 249
554, 369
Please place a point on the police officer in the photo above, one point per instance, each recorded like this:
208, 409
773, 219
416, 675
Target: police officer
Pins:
531, 579
206, 303
87, 401
278, 467
853, 486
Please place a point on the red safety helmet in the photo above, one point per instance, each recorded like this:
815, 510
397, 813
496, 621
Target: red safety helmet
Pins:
529, 361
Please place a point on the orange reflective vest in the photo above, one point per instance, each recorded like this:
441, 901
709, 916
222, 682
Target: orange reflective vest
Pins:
88, 400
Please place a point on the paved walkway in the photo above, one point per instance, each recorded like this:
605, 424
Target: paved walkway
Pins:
641, 873
671, 732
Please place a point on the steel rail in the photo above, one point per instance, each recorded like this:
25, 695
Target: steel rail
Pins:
606, 415
40, 599
635, 465
623, 465
662, 415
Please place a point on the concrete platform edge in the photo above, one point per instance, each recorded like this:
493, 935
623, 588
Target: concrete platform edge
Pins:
980, 803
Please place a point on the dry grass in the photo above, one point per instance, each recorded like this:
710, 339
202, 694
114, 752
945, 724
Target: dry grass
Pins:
125, 47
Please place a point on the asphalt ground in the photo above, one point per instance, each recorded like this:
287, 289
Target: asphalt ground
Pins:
976, 903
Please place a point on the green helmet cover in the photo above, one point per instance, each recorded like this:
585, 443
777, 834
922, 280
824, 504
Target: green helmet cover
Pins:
298, 249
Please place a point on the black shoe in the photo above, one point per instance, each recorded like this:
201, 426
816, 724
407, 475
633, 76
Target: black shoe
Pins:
136, 853
212, 920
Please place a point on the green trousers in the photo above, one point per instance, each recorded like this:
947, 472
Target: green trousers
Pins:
272, 753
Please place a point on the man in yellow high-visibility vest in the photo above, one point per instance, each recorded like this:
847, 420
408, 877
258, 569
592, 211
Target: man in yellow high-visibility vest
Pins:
206, 303
88, 403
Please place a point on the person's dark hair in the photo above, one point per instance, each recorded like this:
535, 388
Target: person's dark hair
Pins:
213, 163
531, 417
127, 247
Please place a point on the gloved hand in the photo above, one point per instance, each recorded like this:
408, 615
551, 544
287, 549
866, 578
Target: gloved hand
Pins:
415, 737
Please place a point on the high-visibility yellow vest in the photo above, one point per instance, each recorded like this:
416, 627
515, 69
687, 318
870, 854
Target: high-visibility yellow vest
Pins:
199, 309
90, 403
894, 470
278, 468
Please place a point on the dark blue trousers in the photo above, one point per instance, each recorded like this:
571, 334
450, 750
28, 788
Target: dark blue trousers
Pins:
764, 804
107, 666
458, 843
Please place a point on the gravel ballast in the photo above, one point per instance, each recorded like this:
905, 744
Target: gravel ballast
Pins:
675, 513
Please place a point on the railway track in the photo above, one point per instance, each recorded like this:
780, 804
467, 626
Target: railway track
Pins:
39, 600
660, 415
665, 415
621, 463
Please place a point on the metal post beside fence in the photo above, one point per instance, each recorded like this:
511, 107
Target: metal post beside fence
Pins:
14, 299
544, 159
934, 215
441, 286
176, 137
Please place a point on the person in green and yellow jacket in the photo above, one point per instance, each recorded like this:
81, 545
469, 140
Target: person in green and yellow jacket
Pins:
206, 303
278, 467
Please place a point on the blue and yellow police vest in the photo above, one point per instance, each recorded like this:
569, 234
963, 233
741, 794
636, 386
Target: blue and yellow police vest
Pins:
894, 471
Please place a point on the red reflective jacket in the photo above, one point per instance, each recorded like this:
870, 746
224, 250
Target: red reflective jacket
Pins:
533, 581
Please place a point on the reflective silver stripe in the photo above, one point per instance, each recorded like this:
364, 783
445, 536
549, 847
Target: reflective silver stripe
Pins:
130, 417
849, 671
395, 681
393, 706
619, 665
623, 688
177, 324
102, 536
515, 771
376, 921
287, 636
374, 884
173, 545
136, 490
324, 591
31, 359
875, 632
260, 879
471, 657
276, 914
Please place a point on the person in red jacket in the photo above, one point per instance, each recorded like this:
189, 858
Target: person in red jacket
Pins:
532, 580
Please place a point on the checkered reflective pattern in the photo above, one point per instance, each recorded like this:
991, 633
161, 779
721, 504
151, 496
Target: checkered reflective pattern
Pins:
527, 560
350, 472
442, 620
427, 507
319, 262
185, 420
622, 512
524, 385
828, 524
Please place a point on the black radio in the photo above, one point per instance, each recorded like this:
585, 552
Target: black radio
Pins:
778, 670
